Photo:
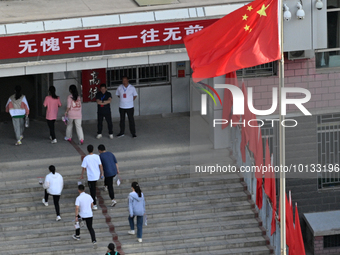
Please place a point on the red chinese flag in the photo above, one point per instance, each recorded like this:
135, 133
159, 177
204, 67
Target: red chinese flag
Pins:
299, 245
290, 231
245, 118
270, 186
247, 37
259, 193
230, 78
259, 162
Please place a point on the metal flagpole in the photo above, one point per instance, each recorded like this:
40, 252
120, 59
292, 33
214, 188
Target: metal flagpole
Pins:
282, 142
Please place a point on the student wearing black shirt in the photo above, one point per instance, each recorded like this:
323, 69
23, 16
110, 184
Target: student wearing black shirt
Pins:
104, 98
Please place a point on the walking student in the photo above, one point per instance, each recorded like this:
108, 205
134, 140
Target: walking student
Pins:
73, 112
110, 168
104, 98
111, 250
94, 169
53, 185
136, 208
127, 94
18, 108
84, 203
52, 102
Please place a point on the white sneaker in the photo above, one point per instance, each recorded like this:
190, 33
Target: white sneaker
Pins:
58, 218
111, 136
140, 240
43, 201
131, 232
113, 203
94, 207
99, 136
105, 188
94, 244
54, 141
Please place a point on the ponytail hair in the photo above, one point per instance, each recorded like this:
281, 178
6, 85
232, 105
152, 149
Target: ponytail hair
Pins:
51, 89
73, 90
17, 92
52, 169
137, 189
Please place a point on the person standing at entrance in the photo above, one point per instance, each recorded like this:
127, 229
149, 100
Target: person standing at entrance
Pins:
73, 113
110, 168
53, 185
127, 94
18, 108
84, 203
136, 208
104, 98
52, 102
93, 166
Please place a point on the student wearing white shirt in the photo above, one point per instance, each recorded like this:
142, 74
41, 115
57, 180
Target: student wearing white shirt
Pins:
84, 203
93, 166
127, 94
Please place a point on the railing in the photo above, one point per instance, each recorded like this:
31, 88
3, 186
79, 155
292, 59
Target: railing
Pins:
328, 150
265, 213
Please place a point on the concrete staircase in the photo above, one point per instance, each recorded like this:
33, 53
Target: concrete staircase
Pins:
186, 214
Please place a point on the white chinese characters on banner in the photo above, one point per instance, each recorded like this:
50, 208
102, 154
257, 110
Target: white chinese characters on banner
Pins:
95, 38
149, 36
93, 93
72, 41
52, 44
173, 33
27, 46
192, 29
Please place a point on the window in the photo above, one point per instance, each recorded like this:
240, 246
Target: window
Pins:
267, 69
331, 241
328, 132
145, 75
330, 57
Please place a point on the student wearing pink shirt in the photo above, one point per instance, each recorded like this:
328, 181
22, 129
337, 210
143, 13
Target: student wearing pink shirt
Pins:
52, 102
73, 112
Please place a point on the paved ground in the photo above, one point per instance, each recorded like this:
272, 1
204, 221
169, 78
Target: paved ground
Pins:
154, 134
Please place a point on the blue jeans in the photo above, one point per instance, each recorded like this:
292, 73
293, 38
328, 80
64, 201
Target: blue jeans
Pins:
139, 225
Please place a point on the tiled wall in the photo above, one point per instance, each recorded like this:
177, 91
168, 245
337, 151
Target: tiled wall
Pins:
324, 87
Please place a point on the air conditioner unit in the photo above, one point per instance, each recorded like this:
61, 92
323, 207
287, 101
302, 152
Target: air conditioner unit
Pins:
300, 54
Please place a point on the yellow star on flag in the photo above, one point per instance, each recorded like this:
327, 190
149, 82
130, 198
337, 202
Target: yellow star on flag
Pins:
262, 12
249, 8
246, 27
245, 17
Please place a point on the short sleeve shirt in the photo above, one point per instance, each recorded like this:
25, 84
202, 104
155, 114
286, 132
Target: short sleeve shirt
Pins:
52, 105
103, 109
75, 108
109, 162
84, 202
91, 163
126, 102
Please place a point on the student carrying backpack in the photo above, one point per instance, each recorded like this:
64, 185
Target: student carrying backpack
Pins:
111, 250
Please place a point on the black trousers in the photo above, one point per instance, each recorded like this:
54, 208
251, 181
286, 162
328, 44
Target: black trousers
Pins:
55, 201
129, 113
109, 183
93, 191
89, 227
108, 119
50, 124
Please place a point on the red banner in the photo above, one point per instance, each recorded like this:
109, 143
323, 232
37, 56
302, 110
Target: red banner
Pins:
102, 39
91, 80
